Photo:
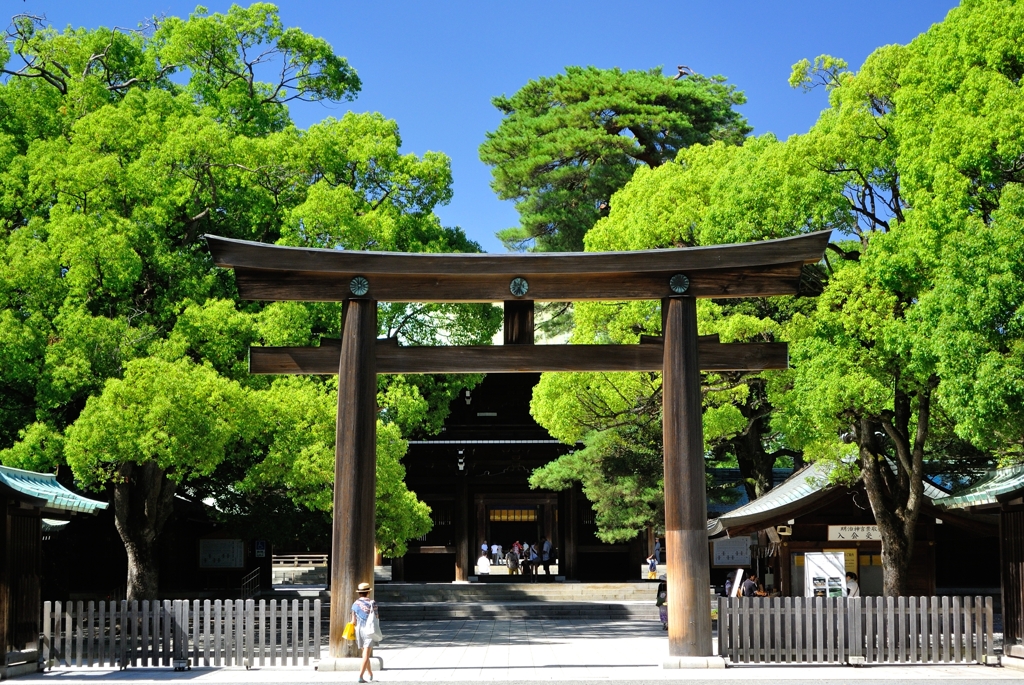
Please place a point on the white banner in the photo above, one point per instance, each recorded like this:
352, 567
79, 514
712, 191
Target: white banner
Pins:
853, 533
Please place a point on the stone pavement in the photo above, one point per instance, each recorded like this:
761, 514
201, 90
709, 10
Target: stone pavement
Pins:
535, 650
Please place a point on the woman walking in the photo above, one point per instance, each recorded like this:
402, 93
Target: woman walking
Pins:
364, 616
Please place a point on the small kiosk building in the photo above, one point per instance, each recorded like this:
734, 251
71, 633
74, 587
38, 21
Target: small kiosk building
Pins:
28, 497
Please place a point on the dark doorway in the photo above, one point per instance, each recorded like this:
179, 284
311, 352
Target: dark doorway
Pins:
507, 524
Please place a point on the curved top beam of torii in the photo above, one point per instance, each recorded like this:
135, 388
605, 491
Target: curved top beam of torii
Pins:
758, 269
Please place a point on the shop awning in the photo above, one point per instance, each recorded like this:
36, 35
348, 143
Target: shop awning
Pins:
996, 487
43, 490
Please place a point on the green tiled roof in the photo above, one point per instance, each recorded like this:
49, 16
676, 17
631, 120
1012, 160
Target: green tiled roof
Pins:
803, 487
45, 486
988, 490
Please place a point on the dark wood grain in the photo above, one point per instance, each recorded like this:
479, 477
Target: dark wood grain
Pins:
518, 322
312, 286
806, 249
391, 358
355, 469
686, 542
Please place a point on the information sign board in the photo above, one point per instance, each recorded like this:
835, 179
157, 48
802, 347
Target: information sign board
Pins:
221, 554
853, 533
732, 552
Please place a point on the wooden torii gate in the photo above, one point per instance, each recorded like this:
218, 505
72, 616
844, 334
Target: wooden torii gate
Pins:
675, 276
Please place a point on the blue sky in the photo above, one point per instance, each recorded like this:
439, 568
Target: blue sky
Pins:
433, 66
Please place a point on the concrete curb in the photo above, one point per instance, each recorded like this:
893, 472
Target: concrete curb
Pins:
674, 662
1014, 662
351, 663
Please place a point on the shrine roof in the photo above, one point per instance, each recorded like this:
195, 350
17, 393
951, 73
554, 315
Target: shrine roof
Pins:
994, 488
800, 492
43, 490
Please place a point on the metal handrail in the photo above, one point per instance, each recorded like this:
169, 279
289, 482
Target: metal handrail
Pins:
251, 584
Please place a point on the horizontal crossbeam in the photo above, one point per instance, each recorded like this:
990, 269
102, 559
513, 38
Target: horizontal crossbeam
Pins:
308, 286
274, 272
391, 358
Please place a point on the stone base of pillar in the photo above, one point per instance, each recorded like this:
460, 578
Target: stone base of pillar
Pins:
675, 662
351, 663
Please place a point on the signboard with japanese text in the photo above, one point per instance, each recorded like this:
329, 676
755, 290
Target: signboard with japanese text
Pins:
732, 552
221, 554
853, 533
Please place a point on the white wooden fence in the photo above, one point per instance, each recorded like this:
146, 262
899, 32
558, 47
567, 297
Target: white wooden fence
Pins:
884, 630
160, 633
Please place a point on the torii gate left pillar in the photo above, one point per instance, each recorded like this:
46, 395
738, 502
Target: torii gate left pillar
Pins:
355, 468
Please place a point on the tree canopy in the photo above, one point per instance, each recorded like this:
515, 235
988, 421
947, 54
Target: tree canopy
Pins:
911, 354
118, 151
568, 142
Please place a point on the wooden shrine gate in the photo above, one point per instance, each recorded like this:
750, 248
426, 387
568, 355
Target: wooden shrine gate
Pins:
675, 276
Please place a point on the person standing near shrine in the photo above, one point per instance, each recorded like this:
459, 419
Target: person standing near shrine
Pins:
365, 618
512, 562
852, 586
545, 555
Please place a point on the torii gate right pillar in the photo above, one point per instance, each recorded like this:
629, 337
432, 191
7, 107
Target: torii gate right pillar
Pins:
686, 538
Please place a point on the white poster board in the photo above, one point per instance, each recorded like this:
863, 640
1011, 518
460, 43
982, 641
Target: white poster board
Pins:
824, 574
731, 552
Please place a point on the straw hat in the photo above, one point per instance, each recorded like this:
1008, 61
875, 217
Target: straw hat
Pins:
363, 587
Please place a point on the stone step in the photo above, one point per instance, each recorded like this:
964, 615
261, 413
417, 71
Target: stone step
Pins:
435, 611
514, 592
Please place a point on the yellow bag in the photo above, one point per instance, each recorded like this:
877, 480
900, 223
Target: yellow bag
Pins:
350, 631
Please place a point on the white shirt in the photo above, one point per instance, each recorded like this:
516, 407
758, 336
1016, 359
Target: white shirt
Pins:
495, 549
852, 588
483, 566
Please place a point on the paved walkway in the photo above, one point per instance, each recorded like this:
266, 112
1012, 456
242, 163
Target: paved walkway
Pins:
535, 650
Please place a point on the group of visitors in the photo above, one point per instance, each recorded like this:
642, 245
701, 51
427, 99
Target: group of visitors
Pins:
752, 587
521, 557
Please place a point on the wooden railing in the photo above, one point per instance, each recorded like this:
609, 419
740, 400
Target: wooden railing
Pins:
300, 560
180, 633
856, 631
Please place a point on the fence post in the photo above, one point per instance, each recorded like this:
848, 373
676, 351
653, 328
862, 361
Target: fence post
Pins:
239, 633
250, 633
273, 632
317, 608
990, 647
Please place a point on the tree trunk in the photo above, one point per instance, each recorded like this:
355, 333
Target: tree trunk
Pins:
895, 483
143, 501
754, 462
896, 553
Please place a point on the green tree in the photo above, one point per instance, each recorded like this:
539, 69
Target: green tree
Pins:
110, 172
709, 195
568, 142
927, 140
161, 424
